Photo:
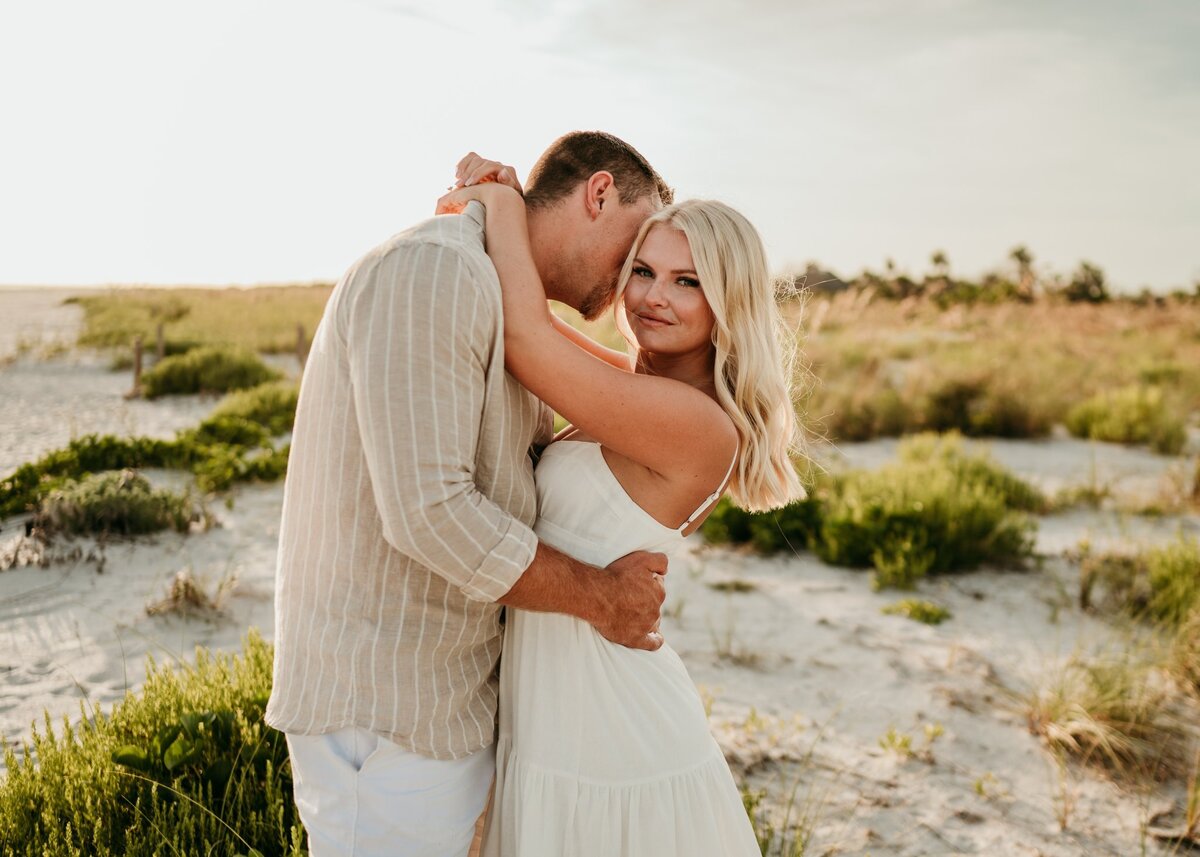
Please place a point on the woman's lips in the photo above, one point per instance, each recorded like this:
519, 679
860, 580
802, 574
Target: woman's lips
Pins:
652, 321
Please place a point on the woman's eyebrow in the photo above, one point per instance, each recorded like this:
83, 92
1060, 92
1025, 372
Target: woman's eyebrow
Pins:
637, 261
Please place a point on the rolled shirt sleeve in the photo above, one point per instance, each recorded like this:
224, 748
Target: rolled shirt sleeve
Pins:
420, 334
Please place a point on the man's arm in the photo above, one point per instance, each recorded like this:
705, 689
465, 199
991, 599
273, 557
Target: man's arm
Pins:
623, 601
418, 336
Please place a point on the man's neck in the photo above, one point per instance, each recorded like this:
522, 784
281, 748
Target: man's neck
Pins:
545, 242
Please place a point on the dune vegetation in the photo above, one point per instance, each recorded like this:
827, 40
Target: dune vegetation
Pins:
236, 443
939, 508
186, 765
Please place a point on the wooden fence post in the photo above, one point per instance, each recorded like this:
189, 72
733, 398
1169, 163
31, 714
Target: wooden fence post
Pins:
161, 350
137, 369
301, 346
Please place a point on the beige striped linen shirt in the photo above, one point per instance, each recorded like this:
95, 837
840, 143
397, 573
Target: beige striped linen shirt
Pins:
408, 502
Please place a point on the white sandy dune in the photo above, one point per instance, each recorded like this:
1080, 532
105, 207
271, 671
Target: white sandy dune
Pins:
804, 673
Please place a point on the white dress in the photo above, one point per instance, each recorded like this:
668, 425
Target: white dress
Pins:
603, 751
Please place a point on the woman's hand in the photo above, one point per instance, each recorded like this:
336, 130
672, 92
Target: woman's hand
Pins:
473, 169
488, 191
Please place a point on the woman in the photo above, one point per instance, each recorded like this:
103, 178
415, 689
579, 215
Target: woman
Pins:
605, 750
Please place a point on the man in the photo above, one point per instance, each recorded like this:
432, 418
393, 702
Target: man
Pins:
407, 513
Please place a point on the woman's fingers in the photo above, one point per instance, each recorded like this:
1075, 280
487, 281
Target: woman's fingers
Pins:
469, 166
473, 170
466, 164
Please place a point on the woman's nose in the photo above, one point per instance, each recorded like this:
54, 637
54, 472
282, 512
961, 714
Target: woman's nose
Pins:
657, 294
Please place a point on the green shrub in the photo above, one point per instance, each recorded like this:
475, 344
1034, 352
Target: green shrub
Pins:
219, 453
976, 467
939, 508
271, 405
791, 528
123, 358
24, 489
206, 370
910, 519
1160, 584
918, 611
185, 767
1160, 372
231, 431
1087, 284
864, 411
981, 406
1133, 415
114, 503
728, 523
977, 403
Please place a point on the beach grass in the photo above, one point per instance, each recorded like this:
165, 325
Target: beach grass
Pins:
1158, 584
183, 766
1116, 710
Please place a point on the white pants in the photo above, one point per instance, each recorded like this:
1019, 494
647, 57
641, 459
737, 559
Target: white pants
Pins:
360, 795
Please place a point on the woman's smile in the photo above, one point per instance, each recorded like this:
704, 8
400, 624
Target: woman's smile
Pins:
651, 321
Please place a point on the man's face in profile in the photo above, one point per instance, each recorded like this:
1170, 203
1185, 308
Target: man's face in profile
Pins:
609, 251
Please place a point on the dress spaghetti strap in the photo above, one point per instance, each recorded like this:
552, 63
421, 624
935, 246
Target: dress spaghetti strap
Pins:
714, 495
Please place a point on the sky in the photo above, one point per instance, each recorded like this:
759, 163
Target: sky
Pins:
248, 141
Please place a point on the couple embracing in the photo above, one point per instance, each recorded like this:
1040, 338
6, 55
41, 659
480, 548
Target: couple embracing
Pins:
431, 519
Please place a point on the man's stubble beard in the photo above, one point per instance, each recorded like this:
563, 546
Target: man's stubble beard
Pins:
598, 299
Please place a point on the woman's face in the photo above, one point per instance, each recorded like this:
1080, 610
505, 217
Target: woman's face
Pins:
667, 310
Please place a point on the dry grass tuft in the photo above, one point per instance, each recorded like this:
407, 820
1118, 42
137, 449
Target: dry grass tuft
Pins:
1185, 654
186, 596
1118, 712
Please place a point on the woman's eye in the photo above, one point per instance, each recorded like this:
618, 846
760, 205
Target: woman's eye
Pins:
643, 272
688, 281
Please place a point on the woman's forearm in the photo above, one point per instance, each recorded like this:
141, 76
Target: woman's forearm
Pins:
508, 245
610, 356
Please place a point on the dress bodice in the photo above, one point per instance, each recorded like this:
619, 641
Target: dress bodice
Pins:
585, 512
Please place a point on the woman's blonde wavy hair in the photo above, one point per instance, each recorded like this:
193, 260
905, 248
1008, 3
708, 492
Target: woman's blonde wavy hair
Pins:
754, 366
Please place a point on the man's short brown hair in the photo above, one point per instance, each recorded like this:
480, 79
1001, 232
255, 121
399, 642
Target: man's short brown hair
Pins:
577, 156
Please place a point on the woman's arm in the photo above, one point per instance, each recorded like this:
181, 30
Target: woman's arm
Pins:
664, 425
473, 170
609, 355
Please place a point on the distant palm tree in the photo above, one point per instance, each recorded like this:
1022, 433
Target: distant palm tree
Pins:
941, 264
1026, 282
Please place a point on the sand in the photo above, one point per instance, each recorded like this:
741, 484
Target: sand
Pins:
804, 673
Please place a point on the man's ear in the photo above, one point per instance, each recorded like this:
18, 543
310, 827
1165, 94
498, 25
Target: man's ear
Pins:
600, 189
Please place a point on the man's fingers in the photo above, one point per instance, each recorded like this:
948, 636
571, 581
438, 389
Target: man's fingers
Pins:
650, 642
656, 562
